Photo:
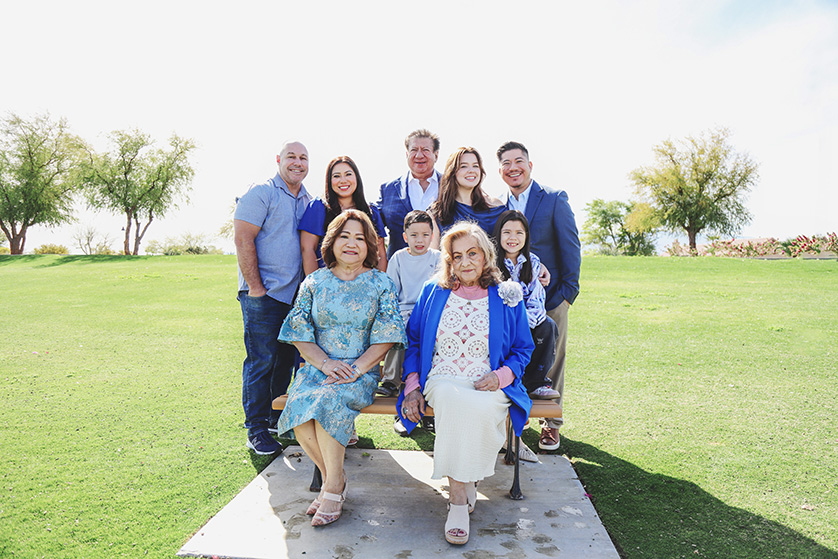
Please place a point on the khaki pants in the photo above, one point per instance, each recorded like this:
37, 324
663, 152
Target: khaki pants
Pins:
393, 364
556, 374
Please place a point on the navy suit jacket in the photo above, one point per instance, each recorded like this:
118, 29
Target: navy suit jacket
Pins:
393, 205
555, 240
510, 344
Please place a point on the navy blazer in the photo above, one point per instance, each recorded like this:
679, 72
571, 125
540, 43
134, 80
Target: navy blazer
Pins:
393, 205
510, 344
555, 240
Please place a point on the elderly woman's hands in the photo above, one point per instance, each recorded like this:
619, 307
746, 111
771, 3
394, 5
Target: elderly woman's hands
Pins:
488, 382
413, 405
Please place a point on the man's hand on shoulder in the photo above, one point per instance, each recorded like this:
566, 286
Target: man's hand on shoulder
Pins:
544, 276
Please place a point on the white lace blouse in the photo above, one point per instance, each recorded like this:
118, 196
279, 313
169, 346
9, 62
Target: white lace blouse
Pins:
462, 339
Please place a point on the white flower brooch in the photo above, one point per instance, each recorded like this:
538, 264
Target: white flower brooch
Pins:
510, 292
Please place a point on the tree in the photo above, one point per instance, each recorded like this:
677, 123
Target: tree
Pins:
139, 181
39, 160
620, 227
698, 185
227, 229
90, 241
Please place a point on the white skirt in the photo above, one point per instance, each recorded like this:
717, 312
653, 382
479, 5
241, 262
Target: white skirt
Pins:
470, 428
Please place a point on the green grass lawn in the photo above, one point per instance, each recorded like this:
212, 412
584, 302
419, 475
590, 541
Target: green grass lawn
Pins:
701, 406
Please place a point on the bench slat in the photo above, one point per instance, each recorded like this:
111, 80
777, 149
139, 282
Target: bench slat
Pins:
387, 406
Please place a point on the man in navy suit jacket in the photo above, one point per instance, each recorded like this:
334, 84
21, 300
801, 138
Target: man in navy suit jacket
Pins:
416, 190
555, 240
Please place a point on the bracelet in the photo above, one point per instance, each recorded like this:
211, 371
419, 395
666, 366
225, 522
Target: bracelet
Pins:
323, 365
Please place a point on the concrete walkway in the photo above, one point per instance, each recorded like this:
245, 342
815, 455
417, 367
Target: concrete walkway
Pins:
394, 509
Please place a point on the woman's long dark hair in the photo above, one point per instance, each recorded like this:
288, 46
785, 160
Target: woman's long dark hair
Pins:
331, 198
443, 208
526, 270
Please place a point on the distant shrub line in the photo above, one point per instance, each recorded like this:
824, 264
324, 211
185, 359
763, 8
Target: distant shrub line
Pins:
792, 248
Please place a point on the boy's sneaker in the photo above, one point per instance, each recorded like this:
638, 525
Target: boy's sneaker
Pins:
399, 428
524, 452
263, 443
387, 389
550, 439
544, 393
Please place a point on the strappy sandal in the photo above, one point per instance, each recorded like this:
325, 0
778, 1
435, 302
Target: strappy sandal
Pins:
456, 525
323, 518
315, 504
471, 496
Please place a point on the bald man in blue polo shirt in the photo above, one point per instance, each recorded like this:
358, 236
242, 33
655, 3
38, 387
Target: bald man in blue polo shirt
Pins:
270, 271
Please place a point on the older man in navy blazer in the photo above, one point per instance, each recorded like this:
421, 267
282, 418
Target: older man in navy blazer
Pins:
555, 240
416, 190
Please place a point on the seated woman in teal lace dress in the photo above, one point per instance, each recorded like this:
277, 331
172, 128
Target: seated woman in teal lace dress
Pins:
345, 318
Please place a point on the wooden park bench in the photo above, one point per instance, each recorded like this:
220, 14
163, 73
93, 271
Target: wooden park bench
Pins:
387, 406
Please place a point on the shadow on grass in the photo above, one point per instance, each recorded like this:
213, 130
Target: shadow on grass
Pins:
49, 261
653, 515
260, 462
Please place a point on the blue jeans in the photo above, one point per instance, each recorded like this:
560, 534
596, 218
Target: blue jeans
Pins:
267, 369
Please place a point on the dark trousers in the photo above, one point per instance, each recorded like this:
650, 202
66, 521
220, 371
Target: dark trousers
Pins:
544, 336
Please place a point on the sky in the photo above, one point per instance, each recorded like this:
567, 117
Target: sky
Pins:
588, 87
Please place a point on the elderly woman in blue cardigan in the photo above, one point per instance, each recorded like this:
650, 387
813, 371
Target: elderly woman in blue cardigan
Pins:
468, 345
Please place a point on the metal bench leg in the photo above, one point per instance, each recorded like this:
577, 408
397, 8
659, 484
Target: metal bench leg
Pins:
509, 457
316, 481
515, 493
513, 457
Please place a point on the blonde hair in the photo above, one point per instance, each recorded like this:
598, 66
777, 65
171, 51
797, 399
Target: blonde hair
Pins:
445, 276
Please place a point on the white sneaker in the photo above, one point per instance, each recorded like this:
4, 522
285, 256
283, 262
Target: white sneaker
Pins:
524, 453
544, 393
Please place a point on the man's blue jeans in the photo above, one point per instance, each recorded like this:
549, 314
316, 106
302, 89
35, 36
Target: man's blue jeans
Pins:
267, 368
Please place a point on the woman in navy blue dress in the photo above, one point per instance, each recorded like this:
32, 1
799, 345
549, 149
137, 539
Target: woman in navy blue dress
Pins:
344, 191
461, 196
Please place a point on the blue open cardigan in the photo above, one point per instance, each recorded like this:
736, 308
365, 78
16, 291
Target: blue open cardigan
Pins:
510, 344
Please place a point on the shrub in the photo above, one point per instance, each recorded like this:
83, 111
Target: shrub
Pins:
677, 249
52, 249
104, 249
4, 250
802, 244
185, 244
830, 243
744, 249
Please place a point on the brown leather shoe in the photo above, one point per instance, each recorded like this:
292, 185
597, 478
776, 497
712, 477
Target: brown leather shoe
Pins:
550, 439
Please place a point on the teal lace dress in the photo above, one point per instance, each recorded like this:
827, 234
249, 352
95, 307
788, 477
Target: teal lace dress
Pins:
344, 318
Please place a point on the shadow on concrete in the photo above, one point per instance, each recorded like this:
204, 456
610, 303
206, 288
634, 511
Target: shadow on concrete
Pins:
653, 515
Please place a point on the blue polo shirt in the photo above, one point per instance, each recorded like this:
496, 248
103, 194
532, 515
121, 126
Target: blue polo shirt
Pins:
277, 212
